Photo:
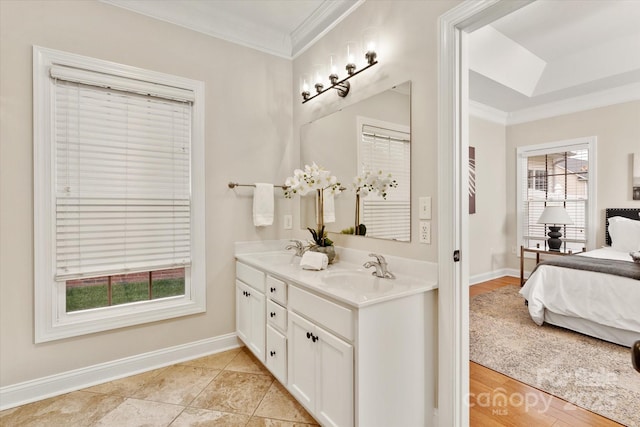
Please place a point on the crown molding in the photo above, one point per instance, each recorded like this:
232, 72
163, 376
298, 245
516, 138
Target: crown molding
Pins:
320, 22
228, 27
618, 95
223, 26
576, 104
485, 112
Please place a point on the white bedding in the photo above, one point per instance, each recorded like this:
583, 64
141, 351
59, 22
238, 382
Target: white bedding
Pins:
608, 300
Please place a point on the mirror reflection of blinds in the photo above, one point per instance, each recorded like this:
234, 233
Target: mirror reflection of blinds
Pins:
556, 179
387, 150
122, 181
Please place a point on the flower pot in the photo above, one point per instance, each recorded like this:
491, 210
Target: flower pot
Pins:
329, 251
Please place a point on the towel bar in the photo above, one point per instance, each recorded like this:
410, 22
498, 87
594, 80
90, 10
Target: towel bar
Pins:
235, 184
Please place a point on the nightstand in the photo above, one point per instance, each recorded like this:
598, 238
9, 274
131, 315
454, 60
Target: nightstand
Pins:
539, 251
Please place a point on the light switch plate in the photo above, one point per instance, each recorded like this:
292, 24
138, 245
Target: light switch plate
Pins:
425, 232
425, 207
287, 222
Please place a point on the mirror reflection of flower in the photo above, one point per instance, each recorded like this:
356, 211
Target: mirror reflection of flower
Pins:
378, 182
303, 182
367, 182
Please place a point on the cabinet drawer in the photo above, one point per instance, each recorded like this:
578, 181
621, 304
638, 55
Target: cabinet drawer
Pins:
276, 315
335, 317
277, 354
251, 276
277, 290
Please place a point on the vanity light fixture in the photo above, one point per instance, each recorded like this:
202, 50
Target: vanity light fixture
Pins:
370, 40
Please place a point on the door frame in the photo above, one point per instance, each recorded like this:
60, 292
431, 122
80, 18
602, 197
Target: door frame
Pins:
453, 202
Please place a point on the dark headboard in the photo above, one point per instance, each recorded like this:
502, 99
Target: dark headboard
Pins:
632, 213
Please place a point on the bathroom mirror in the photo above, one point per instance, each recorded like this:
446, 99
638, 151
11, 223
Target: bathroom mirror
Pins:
373, 134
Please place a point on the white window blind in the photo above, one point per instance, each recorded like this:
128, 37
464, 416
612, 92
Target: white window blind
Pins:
390, 151
556, 179
122, 177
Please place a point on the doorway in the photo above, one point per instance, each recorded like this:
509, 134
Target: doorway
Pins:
453, 226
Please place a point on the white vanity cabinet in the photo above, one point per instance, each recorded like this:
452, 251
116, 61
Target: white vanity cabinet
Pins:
363, 363
250, 308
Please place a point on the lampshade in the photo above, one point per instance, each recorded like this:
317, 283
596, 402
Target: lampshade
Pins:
554, 215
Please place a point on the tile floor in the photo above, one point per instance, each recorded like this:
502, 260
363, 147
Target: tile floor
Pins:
226, 389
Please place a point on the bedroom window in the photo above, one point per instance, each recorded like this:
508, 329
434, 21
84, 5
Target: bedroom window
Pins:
118, 178
557, 174
387, 147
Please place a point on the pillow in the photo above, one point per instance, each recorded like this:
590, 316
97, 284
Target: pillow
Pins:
612, 228
613, 232
625, 234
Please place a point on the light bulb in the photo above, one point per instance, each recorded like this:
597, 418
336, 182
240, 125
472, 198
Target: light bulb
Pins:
333, 69
370, 44
318, 77
304, 86
352, 49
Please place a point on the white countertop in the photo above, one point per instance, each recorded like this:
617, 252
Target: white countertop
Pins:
344, 281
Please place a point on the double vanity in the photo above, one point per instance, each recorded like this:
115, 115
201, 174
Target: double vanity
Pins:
352, 348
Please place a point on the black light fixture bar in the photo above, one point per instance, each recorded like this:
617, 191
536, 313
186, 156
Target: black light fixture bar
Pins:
343, 85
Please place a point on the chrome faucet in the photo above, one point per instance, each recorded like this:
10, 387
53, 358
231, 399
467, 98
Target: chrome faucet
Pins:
381, 267
298, 246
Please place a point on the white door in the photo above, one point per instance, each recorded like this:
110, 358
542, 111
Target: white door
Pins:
334, 379
302, 360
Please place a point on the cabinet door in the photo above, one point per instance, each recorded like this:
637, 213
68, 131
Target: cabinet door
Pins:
334, 377
302, 360
243, 313
250, 318
277, 354
257, 303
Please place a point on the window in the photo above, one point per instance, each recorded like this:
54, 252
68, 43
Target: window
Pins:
106, 291
537, 179
557, 174
386, 146
118, 195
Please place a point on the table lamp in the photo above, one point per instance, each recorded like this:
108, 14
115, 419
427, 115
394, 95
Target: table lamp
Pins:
554, 217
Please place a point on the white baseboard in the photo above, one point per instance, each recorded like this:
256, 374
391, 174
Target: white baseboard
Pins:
65, 382
483, 277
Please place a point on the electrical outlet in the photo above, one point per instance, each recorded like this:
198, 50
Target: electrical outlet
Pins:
425, 232
425, 207
288, 222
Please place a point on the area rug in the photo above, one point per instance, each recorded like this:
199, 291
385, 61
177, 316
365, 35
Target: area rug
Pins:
590, 373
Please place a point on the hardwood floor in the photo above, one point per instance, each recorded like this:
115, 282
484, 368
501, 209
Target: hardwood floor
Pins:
525, 405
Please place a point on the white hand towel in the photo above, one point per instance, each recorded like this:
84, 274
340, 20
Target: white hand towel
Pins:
329, 207
314, 261
263, 205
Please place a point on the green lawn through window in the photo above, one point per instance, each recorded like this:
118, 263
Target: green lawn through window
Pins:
94, 296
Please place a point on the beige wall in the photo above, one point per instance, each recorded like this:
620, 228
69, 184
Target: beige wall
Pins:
617, 129
408, 51
248, 130
488, 226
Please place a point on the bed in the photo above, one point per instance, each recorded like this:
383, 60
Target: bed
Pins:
595, 303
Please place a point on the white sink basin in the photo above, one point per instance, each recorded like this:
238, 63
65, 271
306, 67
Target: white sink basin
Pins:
360, 281
280, 258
